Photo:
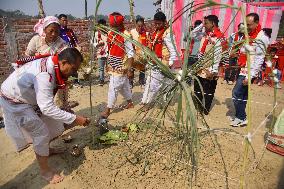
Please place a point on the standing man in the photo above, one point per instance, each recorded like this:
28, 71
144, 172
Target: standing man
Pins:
196, 35
161, 44
213, 42
141, 35
231, 73
66, 33
29, 112
258, 43
100, 42
69, 37
119, 69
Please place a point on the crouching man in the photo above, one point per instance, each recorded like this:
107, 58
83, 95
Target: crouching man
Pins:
27, 99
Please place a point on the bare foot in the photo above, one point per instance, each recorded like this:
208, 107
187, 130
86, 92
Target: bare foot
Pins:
54, 151
52, 177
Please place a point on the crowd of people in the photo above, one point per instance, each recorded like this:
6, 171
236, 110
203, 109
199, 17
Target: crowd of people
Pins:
34, 97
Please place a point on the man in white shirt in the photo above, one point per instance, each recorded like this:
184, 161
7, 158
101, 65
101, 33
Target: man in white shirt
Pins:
120, 61
161, 44
30, 115
139, 34
257, 54
211, 45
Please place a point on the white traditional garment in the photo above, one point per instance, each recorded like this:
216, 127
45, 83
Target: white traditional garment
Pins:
153, 85
257, 54
155, 78
38, 45
31, 85
118, 84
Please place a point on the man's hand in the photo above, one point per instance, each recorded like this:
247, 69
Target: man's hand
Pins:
80, 120
245, 82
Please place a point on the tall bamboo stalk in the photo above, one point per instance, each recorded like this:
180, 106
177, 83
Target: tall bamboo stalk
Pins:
248, 128
41, 11
131, 5
86, 9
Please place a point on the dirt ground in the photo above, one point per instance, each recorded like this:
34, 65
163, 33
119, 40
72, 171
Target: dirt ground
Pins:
106, 166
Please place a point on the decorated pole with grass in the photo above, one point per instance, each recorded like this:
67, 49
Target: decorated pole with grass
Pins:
248, 128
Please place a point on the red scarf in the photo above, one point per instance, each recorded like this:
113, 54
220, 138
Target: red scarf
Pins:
157, 42
242, 61
116, 44
59, 80
215, 33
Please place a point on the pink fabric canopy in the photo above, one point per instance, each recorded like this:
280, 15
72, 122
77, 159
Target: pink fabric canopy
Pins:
269, 18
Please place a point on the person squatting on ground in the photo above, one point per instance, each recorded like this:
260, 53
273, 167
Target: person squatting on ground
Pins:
120, 61
213, 41
100, 43
141, 35
258, 45
161, 44
30, 115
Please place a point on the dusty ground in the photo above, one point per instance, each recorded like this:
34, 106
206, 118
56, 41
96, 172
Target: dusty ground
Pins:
107, 167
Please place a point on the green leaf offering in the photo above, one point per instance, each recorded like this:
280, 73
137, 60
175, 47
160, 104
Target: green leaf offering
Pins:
113, 137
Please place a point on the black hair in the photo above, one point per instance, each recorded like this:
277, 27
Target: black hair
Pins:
102, 21
273, 49
197, 23
212, 18
140, 19
160, 16
255, 16
62, 16
71, 55
116, 14
267, 31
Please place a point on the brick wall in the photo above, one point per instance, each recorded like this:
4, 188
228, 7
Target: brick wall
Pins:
3, 55
15, 35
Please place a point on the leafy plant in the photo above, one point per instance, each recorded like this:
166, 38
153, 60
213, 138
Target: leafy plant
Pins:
183, 137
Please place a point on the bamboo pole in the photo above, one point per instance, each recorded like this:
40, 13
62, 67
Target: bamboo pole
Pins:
248, 128
91, 59
41, 10
86, 9
131, 5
